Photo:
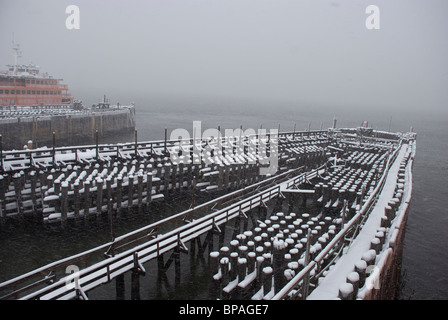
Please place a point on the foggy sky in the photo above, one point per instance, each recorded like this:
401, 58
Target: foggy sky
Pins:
316, 51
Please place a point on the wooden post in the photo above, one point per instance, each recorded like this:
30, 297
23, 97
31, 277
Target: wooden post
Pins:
86, 198
267, 280
110, 210
120, 287
279, 247
361, 269
33, 188
64, 202
306, 278
135, 285
99, 196
181, 176
119, 192
140, 190
166, 178
76, 199
130, 191
148, 187
353, 278
346, 291
224, 265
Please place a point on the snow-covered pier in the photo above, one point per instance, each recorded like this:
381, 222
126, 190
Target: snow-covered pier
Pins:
326, 226
77, 182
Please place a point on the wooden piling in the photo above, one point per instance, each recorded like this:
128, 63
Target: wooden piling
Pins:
120, 287
64, 202
99, 196
86, 198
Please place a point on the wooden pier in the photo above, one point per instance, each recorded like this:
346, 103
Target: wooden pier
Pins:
274, 252
54, 182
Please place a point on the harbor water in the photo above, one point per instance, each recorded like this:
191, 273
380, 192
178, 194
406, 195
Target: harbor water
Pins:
24, 247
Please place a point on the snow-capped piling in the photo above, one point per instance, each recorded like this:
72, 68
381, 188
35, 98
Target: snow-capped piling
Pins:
278, 254
161, 176
346, 291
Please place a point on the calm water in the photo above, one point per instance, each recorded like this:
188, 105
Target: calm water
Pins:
23, 248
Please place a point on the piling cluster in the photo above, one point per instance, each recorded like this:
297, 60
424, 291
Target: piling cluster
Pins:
350, 180
85, 182
365, 273
259, 262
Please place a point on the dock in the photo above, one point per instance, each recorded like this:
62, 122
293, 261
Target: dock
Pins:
354, 183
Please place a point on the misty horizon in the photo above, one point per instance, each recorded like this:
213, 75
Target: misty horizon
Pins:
239, 54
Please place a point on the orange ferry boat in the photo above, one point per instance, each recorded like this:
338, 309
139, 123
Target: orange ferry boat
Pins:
23, 85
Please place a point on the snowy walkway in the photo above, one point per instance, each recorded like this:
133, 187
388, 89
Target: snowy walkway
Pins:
328, 288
